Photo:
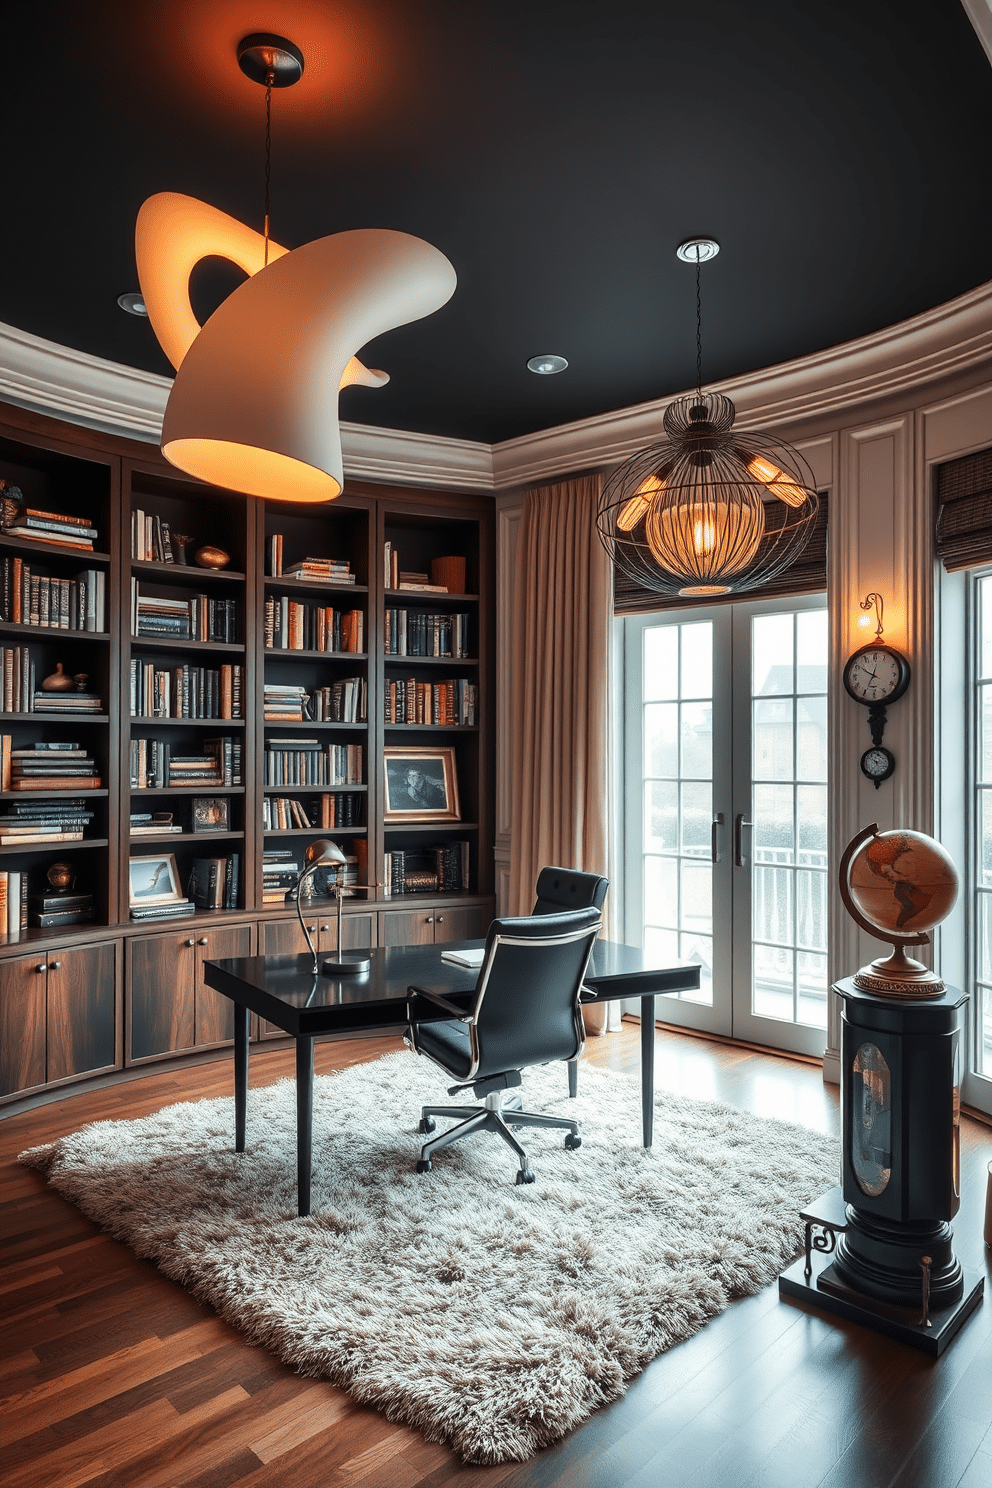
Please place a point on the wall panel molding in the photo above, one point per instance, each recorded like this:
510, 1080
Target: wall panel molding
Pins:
509, 511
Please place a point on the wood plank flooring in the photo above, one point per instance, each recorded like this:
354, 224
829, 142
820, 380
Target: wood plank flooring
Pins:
113, 1377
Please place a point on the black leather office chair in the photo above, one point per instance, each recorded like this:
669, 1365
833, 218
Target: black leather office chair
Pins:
524, 1011
566, 888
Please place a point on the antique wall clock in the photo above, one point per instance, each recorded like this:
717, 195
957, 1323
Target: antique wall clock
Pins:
876, 675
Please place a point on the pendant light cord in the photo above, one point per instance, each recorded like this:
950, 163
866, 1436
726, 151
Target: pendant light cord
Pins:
699, 333
268, 159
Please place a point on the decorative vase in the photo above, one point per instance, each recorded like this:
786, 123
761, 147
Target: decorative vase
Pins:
208, 557
58, 681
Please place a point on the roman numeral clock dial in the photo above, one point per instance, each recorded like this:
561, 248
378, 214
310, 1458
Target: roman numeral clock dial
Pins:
877, 675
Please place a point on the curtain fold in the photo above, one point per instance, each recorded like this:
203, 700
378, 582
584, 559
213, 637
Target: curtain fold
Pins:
561, 641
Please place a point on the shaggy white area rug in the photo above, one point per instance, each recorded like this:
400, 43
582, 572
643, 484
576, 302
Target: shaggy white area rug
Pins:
490, 1316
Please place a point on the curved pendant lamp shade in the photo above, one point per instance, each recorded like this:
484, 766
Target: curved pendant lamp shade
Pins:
254, 406
709, 512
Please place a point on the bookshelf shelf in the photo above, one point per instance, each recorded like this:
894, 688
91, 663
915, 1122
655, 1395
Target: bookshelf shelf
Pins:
180, 643
202, 839
421, 827
431, 728
315, 831
47, 632
52, 795
84, 557
187, 575
59, 847
306, 587
227, 724
286, 653
41, 716
205, 788
421, 599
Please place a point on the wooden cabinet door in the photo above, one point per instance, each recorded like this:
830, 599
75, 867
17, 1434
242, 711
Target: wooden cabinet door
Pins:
213, 1012
161, 982
469, 923
285, 938
357, 932
82, 1010
22, 1024
407, 927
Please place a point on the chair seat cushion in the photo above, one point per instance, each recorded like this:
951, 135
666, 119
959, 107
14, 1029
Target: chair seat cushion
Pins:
449, 1044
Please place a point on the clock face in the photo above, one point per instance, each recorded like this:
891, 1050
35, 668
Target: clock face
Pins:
877, 764
876, 674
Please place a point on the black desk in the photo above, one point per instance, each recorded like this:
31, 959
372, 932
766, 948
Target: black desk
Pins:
283, 990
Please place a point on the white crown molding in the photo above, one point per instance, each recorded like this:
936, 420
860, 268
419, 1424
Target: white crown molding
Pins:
951, 339
980, 15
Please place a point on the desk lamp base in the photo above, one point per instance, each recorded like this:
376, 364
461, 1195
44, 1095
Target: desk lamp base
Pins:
352, 966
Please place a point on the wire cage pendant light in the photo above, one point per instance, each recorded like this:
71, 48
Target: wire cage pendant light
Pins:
710, 511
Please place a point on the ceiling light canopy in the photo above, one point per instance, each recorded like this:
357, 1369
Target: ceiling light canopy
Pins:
710, 511
547, 365
254, 403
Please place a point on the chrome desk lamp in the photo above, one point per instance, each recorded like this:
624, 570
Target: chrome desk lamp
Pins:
322, 854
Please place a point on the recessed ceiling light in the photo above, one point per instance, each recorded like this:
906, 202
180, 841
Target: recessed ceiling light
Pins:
697, 250
134, 304
546, 365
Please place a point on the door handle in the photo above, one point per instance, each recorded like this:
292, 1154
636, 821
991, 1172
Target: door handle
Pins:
190, 942
202, 940
716, 823
739, 822
54, 965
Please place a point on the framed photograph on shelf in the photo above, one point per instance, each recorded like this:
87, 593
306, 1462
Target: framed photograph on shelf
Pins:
421, 784
210, 814
154, 879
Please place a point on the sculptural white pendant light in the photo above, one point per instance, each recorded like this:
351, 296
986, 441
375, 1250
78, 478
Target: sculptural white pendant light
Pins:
711, 511
254, 405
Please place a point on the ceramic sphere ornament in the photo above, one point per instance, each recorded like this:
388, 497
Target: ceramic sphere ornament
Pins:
209, 557
61, 877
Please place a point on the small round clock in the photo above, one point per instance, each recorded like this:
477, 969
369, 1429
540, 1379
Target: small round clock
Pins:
877, 763
876, 674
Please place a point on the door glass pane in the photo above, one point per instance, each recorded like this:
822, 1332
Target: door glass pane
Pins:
677, 776
789, 889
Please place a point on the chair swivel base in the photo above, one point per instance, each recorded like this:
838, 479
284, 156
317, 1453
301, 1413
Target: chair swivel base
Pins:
491, 1117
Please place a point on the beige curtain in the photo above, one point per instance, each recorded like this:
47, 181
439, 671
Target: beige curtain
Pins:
561, 644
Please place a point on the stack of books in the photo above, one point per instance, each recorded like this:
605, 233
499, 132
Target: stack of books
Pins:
50, 910
13, 904
18, 679
396, 578
47, 767
341, 702
66, 702
153, 765
171, 909
196, 618
419, 633
444, 704
44, 821
443, 869
303, 762
291, 626
280, 870
186, 691
151, 539
332, 809
213, 882
285, 704
151, 823
54, 527
30, 598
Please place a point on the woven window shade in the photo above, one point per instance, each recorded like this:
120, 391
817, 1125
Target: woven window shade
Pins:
964, 511
808, 575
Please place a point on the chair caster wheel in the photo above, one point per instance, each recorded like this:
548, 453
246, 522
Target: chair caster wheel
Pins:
424, 1165
573, 1140
427, 1125
524, 1175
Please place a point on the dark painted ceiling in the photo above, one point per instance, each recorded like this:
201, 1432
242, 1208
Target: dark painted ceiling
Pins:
556, 150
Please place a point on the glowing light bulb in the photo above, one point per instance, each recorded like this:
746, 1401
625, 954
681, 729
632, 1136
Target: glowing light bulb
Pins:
634, 509
781, 485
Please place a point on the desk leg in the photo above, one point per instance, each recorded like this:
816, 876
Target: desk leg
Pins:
647, 1068
304, 1120
240, 1075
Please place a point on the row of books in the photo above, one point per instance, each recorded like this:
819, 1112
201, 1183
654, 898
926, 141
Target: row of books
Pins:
453, 702
13, 903
443, 869
214, 882
304, 762
291, 626
154, 766
326, 811
345, 701
196, 618
30, 598
168, 909
310, 570
44, 821
152, 540
396, 578
54, 527
419, 633
186, 691
46, 766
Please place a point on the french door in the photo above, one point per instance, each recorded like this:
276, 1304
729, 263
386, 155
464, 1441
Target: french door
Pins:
725, 813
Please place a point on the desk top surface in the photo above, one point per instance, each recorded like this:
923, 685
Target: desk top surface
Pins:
283, 988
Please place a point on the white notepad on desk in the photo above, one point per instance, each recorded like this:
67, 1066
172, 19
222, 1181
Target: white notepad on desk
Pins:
465, 958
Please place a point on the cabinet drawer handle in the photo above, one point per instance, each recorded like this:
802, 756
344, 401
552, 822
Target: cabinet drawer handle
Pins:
325, 927
430, 919
440, 919
189, 942
202, 940
42, 967
54, 965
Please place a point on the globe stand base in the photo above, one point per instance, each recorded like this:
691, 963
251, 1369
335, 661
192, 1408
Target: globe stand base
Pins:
898, 975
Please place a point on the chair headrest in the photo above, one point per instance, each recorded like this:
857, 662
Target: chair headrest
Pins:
567, 888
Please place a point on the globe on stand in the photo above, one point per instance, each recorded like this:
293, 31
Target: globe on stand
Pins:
897, 885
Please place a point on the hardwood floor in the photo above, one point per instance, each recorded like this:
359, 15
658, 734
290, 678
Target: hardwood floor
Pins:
114, 1377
